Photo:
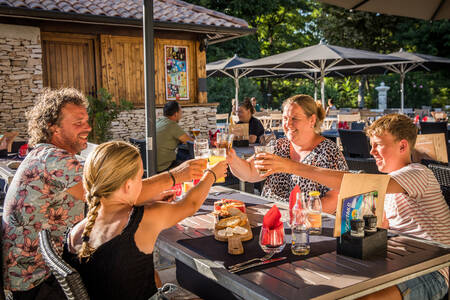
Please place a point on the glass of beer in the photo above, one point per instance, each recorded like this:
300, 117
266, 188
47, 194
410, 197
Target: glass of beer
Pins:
216, 155
225, 140
195, 132
264, 149
201, 149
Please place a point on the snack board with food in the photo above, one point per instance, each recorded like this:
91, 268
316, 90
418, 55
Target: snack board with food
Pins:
231, 220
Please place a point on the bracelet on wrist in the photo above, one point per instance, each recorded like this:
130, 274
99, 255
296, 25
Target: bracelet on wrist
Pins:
173, 178
212, 172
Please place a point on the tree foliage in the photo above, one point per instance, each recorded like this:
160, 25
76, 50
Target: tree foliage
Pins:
283, 25
102, 111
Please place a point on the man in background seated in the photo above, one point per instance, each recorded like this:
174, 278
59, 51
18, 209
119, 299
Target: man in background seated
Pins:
414, 203
168, 135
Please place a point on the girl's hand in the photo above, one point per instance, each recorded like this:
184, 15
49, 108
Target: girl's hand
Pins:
220, 169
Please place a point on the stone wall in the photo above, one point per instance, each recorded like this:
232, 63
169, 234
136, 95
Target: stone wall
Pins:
132, 123
20, 75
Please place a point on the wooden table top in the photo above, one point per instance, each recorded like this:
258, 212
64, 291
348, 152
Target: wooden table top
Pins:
327, 276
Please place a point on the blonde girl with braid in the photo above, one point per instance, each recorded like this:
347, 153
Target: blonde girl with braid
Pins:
112, 247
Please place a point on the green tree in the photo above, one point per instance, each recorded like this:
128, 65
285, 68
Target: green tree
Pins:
281, 25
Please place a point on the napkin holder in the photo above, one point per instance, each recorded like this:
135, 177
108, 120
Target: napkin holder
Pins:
372, 244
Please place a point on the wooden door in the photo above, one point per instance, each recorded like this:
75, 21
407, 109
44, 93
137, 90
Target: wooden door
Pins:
123, 68
70, 60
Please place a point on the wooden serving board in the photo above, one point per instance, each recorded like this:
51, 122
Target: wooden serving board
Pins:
244, 237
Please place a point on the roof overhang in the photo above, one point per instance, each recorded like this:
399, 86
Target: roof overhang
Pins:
214, 34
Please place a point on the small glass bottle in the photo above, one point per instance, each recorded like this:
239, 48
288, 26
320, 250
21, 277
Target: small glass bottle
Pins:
300, 228
357, 228
370, 224
315, 213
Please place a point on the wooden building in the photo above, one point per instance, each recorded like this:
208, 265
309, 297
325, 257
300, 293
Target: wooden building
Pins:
93, 44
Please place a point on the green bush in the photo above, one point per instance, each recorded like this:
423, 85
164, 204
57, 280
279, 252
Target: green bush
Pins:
102, 111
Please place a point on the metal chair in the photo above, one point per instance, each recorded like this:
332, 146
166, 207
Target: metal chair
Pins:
357, 151
68, 278
442, 174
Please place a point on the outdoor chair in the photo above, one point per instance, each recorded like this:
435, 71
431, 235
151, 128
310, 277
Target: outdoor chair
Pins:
143, 149
276, 122
355, 143
357, 125
442, 174
68, 278
357, 151
265, 121
434, 127
349, 117
221, 121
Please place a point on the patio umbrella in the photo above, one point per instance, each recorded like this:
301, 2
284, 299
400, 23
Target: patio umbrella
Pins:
319, 58
231, 67
412, 62
419, 9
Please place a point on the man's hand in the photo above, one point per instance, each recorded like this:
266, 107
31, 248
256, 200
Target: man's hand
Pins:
189, 170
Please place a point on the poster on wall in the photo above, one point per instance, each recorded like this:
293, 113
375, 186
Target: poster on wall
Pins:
177, 86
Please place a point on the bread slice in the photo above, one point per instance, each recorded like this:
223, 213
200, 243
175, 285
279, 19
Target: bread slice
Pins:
229, 222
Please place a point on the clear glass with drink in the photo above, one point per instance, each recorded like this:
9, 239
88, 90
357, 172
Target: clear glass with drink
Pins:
315, 213
216, 155
201, 150
195, 132
264, 149
225, 140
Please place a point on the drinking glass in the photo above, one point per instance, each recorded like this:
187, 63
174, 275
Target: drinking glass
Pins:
225, 140
195, 132
272, 240
216, 155
264, 149
201, 146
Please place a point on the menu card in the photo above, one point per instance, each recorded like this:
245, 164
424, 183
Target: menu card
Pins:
358, 184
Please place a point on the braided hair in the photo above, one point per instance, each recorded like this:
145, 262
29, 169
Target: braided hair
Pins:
107, 168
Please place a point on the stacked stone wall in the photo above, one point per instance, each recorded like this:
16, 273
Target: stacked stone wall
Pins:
20, 75
132, 123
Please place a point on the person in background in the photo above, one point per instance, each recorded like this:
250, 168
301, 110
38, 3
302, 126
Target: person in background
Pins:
255, 127
46, 191
112, 248
168, 135
302, 119
413, 205
330, 106
256, 105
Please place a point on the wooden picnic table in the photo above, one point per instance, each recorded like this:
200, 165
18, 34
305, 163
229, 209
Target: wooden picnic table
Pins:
326, 276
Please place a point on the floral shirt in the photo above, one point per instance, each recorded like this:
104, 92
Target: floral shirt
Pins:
326, 154
37, 199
